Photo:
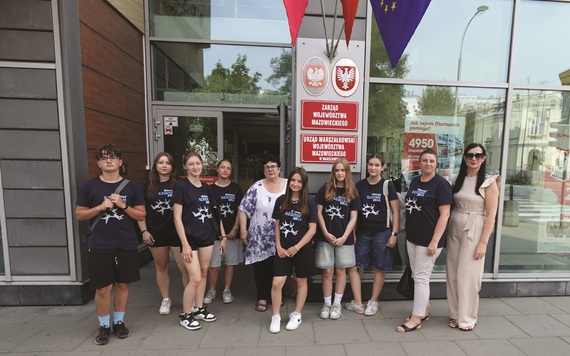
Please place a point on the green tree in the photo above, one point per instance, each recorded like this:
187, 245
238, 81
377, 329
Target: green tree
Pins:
281, 76
236, 79
437, 101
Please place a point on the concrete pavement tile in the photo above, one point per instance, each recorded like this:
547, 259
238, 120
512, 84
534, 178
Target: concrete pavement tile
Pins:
497, 327
542, 346
432, 348
258, 351
67, 315
311, 311
562, 303
173, 336
12, 336
132, 353
381, 330
495, 306
302, 336
198, 352
240, 334
62, 353
438, 329
381, 348
331, 332
148, 314
563, 318
56, 338
532, 305
20, 315
539, 325
328, 350
395, 309
489, 347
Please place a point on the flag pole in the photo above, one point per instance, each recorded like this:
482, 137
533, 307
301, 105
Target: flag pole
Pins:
338, 40
325, 27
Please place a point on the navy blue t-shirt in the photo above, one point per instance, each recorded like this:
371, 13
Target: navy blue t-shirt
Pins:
159, 212
422, 209
116, 229
372, 216
336, 213
292, 226
197, 210
228, 199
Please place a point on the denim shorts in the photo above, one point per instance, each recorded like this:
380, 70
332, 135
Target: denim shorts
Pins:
328, 256
233, 255
371, 250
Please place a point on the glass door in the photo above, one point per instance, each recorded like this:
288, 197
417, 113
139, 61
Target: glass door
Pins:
182, 131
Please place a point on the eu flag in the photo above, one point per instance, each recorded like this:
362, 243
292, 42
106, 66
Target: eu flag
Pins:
397, 21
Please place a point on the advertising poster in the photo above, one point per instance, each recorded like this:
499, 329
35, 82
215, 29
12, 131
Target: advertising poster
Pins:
443, 134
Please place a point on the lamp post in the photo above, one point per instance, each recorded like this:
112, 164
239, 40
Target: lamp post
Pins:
480, 9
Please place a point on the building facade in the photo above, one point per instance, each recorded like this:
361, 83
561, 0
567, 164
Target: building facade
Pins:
222, 78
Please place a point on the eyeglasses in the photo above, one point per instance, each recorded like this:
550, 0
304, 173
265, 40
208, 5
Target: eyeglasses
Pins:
477, 156
106, 158
268, 168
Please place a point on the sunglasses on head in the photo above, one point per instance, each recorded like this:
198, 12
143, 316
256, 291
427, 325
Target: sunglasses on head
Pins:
474, 155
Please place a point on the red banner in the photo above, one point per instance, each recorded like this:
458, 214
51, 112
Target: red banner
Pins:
414, 144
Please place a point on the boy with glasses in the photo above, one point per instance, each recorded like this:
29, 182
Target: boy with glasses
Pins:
113, 256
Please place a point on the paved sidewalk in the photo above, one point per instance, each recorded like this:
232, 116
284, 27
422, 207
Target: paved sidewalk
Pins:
507, 326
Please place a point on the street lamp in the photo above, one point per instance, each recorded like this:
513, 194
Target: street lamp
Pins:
480, 9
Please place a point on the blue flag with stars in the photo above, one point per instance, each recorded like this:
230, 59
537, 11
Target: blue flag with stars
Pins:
397, 21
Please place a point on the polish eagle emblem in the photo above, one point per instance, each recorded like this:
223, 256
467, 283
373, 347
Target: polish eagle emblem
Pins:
345, 77
315, 77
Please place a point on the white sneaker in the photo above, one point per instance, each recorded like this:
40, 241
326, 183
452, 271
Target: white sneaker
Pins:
295, 320
335, 312
275, 326
371, 308
165, 306
210, 296
227, 296
325, 311
357, 308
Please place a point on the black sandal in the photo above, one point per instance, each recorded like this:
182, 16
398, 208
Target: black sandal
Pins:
407, 328
425, 318
261, 307
453, 323
467, 328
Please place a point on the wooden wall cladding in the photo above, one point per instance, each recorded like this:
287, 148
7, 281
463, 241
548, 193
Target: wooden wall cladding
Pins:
113, 85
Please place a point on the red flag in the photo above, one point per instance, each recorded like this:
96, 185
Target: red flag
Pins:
349, 8
295, 12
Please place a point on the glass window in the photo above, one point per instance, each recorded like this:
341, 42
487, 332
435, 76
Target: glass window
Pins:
541, 54
236, 20
536, 223
405, 120
434, 50
221, 74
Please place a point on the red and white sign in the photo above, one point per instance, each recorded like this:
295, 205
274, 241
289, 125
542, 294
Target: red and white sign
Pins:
329, 115
346, 77
327, 148
315, 76
414, 144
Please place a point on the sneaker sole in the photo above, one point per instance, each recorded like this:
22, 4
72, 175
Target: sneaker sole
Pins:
370, 314
206, 320
295, 328
123, 336
164, 312
228, 301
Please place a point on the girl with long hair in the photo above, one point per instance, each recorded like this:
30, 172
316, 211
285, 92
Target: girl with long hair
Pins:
295, 218
337, 205
158, 230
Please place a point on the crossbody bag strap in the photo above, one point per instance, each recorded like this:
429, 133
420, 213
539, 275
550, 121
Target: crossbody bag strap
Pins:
100, 215
385, 192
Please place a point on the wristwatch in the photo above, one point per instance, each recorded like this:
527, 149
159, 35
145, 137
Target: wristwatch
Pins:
394, 233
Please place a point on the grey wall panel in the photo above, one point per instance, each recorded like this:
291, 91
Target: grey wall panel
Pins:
314, 8
26, 14
27, 83
34, 204
26, 46
28, 114
39, 261
31, 174
36, 232
29, 144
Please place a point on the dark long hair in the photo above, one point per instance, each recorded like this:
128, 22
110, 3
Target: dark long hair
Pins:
303, 194
154, 177
463, 170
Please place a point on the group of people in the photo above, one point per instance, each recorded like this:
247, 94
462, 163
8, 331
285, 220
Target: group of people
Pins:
273, 226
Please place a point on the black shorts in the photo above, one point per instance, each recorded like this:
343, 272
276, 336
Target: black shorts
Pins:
195, 243
303, 261
109, 266
165, 241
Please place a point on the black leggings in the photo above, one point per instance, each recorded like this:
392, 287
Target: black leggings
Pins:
263, 273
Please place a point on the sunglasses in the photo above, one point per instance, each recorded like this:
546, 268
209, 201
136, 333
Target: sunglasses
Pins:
474, 155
